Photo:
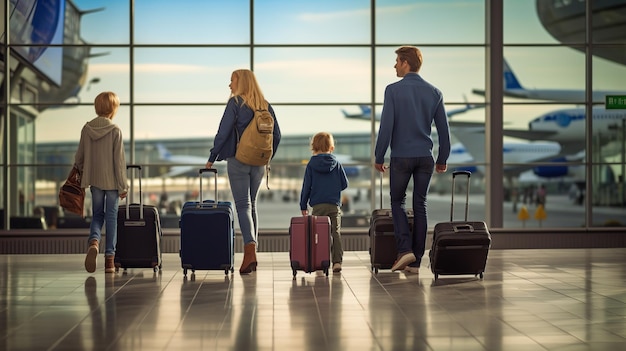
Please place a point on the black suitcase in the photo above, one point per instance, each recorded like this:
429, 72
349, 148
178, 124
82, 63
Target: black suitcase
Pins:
460, 247
383, 251
138, 234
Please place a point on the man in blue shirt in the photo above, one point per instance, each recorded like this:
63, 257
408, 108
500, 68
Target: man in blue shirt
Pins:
410, 107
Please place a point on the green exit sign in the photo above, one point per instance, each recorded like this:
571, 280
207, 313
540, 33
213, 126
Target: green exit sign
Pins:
615, 102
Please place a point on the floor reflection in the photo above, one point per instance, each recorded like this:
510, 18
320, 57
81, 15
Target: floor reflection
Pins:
528, 300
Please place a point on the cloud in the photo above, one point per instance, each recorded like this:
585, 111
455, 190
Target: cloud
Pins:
99, 68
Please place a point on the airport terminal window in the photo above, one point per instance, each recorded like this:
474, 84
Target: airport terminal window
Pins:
455, 70
314, 63
192, 22
430, 22
314, 74
185, 75
155, 123
528, 30
312, 22
107, 24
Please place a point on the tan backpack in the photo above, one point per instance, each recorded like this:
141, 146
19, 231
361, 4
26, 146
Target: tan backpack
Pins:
255, 146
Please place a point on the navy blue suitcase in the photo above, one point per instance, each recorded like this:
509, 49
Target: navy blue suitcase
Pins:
207, 234
138, 234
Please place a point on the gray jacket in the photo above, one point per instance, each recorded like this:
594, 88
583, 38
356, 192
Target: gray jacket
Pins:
100, 156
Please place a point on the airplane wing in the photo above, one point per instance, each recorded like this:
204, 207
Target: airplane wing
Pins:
527, 134
467, 107
177, 171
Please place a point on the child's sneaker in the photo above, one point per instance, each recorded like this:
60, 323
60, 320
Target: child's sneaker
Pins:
337, 267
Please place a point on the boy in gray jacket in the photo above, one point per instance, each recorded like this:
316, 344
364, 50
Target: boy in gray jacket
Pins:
101, 161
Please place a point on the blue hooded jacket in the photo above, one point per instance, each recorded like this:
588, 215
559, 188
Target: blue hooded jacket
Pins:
324, 179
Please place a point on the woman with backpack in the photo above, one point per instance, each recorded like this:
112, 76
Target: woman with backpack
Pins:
245, 104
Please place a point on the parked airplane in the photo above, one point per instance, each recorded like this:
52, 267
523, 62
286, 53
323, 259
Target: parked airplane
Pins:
187, 164
366, 112
513, 88
517, 155
567, 126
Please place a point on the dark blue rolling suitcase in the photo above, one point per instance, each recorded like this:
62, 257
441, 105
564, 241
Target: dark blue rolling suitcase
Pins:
207, 234
138, 234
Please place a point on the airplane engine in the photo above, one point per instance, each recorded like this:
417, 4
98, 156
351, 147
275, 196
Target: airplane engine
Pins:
551, 171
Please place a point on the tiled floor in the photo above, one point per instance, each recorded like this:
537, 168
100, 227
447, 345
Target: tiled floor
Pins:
568, 300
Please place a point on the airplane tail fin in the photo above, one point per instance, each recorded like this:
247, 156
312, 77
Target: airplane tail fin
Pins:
510, 80
164, 153
367, 111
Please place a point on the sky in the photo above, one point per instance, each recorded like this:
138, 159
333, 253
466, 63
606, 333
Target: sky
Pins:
314, 75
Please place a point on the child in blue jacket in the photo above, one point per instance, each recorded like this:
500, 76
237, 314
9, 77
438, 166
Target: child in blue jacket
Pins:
324, 179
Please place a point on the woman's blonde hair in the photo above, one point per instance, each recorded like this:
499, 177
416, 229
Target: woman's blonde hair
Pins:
322, 142
106, 104
248, 89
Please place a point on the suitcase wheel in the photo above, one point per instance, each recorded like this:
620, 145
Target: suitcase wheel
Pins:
185, 272
326, 271
295, 273
436, 276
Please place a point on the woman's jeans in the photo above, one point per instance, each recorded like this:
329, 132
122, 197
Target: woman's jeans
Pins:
245, 181
104, 206
401, 171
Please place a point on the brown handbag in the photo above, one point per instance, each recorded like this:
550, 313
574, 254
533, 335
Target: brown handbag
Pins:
71, 194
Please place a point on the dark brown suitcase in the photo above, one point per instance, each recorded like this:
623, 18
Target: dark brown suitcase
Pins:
383, 252
460, 247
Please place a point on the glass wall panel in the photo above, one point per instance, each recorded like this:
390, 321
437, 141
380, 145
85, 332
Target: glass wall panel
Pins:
86, 73
456, 71
104, 22
192, 22
540, 22
186, 75
608, 195
177, 122
539, 74
307, 120
329, 75
442, 22
312, 22
86, 70
609, 71
64, 124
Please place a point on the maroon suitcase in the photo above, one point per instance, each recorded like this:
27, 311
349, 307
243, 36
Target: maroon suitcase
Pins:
309, 248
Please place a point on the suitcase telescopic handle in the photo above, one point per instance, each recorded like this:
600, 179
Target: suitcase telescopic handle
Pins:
138, 167
454, 174
381, 189
210, 170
